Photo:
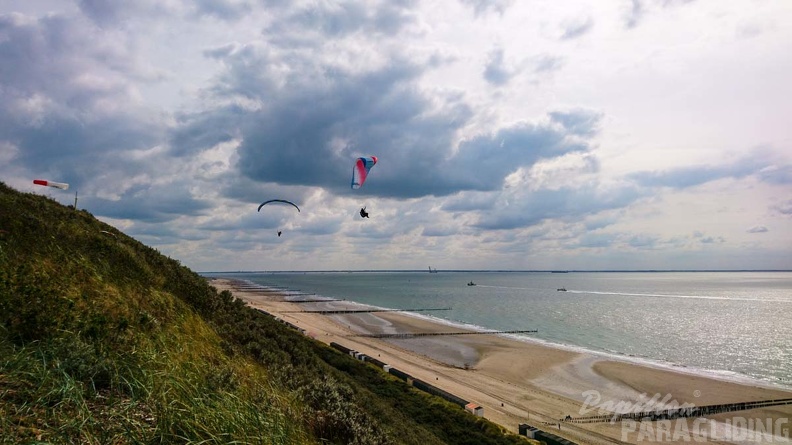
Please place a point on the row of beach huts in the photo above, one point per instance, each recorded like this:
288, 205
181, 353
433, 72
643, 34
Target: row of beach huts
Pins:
471, 407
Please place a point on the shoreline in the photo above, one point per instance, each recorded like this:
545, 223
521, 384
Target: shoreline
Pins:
648, 362
516, 380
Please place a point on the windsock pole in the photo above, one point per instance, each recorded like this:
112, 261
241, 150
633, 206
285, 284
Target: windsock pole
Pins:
75, 200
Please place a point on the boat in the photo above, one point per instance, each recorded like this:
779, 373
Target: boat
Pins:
561, 289
432, 270
471, 284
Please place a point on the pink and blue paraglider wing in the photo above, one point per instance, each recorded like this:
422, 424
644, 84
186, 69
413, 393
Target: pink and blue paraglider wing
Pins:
360, 170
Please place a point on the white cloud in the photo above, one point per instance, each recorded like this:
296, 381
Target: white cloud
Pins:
548, 135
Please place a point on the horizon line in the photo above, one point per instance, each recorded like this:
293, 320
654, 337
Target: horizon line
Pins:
499, 270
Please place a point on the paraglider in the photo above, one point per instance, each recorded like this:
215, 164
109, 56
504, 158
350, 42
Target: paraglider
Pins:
361, 169
363, 213
278, 200
44, 182
282, 201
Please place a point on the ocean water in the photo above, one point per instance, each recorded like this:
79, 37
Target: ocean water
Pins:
733, 325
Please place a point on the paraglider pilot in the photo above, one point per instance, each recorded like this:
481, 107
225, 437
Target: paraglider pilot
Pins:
363, 213
279, 233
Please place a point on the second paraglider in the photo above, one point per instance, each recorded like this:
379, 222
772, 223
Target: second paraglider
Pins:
278, 201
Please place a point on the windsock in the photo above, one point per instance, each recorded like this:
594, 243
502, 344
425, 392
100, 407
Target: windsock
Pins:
60, 185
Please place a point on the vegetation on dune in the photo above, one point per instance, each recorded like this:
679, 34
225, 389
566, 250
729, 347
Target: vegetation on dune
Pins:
105, 340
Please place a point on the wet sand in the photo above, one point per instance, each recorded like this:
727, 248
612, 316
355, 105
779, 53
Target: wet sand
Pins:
517, 381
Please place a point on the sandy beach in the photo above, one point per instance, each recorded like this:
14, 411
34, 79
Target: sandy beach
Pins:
526, 382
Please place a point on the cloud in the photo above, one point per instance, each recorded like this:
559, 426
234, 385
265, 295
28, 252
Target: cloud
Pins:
222, 9
481, 7
340, 20
696, 175
597, 240
642, 241
776, 174
639, 9
531, 208
175, 119
316, 120
635, 13
110, 13
151, 204
784, 208
757, 229
77, 126
548, 64
495, 72
577, 28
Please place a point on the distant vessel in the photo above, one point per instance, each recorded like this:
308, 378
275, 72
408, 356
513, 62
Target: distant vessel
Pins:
471, 284
561, 289
432, 270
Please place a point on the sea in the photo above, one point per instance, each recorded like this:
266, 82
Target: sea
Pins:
730, 325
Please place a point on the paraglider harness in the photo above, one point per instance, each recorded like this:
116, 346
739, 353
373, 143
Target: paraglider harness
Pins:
363, 213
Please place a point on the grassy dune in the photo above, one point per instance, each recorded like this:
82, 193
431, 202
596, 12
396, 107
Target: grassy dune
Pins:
105, 340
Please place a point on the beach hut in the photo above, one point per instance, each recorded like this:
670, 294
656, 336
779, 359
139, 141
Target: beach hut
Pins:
386, 368
527, 430
475, 409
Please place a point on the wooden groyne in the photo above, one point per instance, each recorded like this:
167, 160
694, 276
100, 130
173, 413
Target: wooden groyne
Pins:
364, 311
428, 334
681, 412
312, 301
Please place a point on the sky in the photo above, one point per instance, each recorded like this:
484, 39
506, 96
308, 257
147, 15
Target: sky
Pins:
510, 134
